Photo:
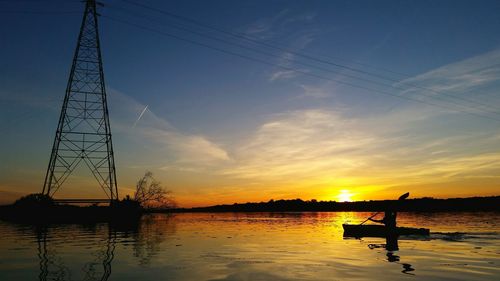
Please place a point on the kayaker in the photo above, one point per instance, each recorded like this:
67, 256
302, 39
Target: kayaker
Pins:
390, 215
389, 219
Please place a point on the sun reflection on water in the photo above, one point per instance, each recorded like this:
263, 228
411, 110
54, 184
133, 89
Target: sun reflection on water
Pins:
251, 246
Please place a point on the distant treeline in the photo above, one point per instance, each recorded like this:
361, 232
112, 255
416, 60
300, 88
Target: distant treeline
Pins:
409, 205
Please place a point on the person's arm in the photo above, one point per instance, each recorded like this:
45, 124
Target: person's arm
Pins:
378, 221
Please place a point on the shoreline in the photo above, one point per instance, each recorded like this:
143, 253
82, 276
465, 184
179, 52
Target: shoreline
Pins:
430, 205
124, 214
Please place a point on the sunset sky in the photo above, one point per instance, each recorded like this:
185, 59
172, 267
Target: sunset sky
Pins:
357, 100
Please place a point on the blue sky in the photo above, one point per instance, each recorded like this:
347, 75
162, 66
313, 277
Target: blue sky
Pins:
225, 128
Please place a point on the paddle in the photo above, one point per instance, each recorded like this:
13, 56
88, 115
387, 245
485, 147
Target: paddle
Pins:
402, 197
369, 218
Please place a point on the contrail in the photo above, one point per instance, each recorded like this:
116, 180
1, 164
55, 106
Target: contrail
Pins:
140, 115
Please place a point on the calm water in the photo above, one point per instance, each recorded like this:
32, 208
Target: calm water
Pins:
263, 246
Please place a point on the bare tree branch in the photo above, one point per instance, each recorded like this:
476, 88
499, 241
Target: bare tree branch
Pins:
151, 194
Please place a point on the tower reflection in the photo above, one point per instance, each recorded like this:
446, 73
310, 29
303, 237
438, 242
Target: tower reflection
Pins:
53, 267
61, 249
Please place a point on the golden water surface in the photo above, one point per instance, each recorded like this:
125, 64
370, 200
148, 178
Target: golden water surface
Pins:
252, 246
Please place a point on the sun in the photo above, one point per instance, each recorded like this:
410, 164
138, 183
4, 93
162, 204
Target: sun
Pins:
344, 195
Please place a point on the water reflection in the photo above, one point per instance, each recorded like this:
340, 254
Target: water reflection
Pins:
391, 243
52, 266
249, 246
146, 236
152, 232
104, 258
391, 246
407, 268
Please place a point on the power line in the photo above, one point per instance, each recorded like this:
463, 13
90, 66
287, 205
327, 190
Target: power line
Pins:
40, 12
304, 55
291, 68
245, 36
296, 62
249, 38
466, 106
41, 2
487, 109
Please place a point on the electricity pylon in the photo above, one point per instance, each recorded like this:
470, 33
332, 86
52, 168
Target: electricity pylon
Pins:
83, 134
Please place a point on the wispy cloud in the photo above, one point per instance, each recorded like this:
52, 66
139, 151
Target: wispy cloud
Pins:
314, 92
288, 59
332, 147
178, 149
324, 148
295, 32
300, 144
188, 149
282, 74
269, 27
461, 78
262, 28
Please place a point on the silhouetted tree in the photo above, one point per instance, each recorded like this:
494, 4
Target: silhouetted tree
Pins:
151, 194
35, 200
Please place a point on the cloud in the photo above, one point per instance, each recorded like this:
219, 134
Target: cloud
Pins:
314, 92
263, 27
178, 149
300, 144
268, 27
431, 160
287, 59
461, 78
282, 74
296, 32
190, 149
323, 148
317, 148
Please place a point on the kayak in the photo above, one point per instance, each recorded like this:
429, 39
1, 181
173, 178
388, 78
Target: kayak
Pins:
371, 230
